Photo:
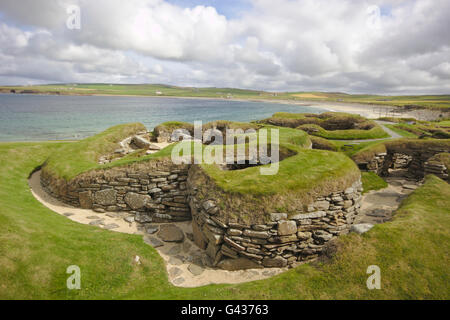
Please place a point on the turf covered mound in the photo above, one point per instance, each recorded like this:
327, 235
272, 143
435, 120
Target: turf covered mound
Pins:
329, 125
302, 174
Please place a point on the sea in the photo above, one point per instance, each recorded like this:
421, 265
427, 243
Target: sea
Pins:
28, 117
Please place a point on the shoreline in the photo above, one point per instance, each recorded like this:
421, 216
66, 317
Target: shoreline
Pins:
371, 111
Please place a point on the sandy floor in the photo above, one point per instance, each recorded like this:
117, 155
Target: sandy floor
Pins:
180, 258
378, 206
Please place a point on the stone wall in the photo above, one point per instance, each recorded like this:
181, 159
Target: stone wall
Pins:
412, 157
433, 166
153, 192
281, 241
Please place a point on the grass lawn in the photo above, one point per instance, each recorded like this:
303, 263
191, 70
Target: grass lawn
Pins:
371, 181
37, 245
401, 132
352, 134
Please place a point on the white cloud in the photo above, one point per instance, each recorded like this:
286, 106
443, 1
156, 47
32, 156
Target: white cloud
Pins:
333, 45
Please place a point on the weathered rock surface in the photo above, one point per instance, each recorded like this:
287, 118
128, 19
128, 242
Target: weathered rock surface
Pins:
136, 201
85, 199
238, 264
155, 243
106, 197
361, 228
170, 233
286, 228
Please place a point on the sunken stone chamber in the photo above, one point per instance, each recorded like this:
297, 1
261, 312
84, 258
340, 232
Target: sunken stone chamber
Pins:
152, 191
159, 191
275, 239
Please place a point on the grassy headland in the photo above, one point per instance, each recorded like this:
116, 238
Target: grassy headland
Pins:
437, 102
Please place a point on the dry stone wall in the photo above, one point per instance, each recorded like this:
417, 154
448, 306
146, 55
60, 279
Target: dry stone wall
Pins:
163, 192
433, 166
283, 240
414, 158
154, 192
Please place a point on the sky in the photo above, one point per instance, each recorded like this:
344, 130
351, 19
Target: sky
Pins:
353, 46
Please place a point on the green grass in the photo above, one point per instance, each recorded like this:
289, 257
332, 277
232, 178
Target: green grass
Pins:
324, 125
435, 102
401, 132
323, 144
350, 149
445, 123
306, 170
352, 134
37, 246
371, 181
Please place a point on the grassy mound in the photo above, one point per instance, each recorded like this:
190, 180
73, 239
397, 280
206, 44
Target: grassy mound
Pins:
330, 125
414, 128
38, 245
170, 126
351, 134
75, 158
322, 144
250, 196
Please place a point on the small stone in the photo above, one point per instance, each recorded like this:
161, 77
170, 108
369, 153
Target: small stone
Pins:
303, 235
136, 201
178, 281
111, 214
68, 214
349, 190
208, 205
140, 142
361, 228
175, 261
152, 230
277, 262
111, 226
175, 271
286, 228
129, 219
105, 197
170, 233
95, 222
238, 264
99, 210
278, 216
155, 243
256, 234
85, 199
154, 147
322, 205
175, 250
195, 269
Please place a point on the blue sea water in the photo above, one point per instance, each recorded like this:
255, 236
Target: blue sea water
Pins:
46, 117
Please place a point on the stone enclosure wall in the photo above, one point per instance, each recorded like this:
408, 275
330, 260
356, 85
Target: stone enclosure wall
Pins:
163, 192
416, 159
154, 192
280, 242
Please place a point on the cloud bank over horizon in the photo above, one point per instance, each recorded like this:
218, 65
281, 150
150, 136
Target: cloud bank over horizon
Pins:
379, 46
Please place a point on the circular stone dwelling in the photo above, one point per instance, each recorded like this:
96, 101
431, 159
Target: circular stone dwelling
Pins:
240, 217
